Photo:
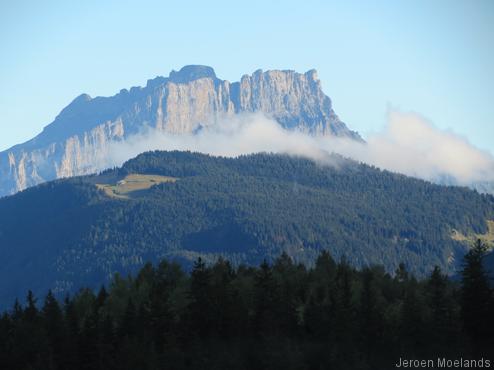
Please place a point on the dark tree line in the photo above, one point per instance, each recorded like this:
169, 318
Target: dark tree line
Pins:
279, 316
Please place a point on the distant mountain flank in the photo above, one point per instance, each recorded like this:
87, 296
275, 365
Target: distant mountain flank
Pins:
189, 99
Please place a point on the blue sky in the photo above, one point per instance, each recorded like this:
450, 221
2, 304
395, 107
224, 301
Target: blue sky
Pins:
431, 57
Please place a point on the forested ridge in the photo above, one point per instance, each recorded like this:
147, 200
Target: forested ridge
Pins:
67, 234
275, 316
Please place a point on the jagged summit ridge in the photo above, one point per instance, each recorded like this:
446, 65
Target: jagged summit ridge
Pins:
192, 98
192, 72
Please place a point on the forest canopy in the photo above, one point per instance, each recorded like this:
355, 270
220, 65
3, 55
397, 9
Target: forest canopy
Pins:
275, 316
72, 233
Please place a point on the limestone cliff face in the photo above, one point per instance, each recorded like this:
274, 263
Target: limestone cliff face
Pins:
192, 98
295, 100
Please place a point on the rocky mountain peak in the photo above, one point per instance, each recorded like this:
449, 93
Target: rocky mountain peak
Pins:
76, 104
81, 98
78, 140
191, 73
312, 74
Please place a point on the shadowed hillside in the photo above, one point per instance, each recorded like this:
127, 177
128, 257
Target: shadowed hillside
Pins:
70, 233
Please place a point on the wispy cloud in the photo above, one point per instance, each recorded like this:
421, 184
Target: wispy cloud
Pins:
408, 144
234, 136
412, 145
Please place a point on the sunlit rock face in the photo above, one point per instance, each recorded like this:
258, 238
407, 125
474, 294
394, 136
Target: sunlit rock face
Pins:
190, 99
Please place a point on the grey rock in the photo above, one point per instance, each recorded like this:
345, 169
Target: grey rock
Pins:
185, 102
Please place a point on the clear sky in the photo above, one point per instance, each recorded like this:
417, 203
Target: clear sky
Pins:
433, 57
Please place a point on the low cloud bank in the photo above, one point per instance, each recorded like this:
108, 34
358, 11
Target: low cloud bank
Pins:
408, 144
411, 145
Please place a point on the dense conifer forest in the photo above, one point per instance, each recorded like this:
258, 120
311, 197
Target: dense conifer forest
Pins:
70, 233
275, 316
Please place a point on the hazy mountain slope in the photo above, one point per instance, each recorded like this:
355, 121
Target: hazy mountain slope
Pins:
67, 233
75, 142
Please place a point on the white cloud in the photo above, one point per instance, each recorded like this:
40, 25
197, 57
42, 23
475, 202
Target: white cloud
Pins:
241, 134
409, 144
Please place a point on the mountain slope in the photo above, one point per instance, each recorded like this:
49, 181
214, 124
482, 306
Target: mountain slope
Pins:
75, 142
79, 231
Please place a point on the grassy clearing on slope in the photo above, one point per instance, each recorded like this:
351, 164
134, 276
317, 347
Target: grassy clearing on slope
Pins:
487, 238
124, 188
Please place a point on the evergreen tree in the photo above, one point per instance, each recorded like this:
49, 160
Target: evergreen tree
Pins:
6, 330
343, 317
56, 331
444, 325
265, 301
477, 299
72, 323
370, 316
201, 306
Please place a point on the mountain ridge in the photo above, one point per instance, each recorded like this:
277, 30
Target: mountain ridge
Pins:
75, 142
246, 209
